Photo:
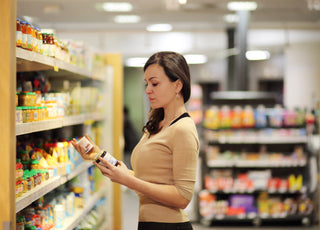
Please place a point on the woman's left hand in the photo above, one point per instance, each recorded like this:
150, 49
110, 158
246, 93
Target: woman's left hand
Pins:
118, 174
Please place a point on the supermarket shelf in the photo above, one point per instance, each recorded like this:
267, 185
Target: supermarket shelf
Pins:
260, 140
47, 186
252, 191
32, 127
254, 216
254, 164
72, 222
32, 61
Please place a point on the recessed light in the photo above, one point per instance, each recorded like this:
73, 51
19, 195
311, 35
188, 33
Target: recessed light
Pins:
159, 28
255, 55
114, 6
238, 6
127, 19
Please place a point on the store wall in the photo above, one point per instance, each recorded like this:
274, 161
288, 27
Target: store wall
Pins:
302, 73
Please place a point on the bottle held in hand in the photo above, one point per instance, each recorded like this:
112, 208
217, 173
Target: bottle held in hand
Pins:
107, 156
85, 144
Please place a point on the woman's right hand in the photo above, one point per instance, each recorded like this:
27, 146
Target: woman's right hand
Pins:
87, 156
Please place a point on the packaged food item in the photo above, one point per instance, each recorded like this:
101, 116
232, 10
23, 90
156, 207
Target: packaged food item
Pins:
248, 117
107, 156
19, 118
260, 117
29, 36
236, 117
225, 117
24, 34
18, 33
85, 144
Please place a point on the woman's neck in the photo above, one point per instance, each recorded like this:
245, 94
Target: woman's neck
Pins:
171, 115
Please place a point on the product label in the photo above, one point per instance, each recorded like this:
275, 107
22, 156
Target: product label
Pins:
109, 158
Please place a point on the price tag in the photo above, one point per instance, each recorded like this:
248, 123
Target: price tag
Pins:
56, 68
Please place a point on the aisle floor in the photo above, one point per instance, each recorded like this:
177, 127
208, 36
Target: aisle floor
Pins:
130, 217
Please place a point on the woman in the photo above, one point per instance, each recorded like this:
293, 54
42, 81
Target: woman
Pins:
165, 159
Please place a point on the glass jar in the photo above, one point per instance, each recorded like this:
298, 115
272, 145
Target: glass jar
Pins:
23, 98
19, 118
45, 50
29, 36
18, 33
34, 39
24, 34
32, 98
36, 112
39, 38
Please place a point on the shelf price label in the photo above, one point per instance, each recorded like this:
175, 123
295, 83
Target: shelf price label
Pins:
56, 68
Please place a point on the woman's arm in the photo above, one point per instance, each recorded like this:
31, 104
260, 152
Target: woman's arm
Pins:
165, 194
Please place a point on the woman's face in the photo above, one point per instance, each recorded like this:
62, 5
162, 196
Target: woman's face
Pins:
159, 89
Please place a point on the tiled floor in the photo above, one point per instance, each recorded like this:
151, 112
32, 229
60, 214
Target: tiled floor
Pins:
130, 218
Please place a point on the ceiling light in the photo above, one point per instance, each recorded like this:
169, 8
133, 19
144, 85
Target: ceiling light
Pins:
183, 2
255, 55
52, 9
115, 6
231, 18
136, 62
195, 58
159, 28
127, 19
239, 6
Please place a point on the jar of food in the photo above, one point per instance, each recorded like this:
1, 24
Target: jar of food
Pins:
107, 156
19, 188
45, 44
19, 118
35, 113
85, 144
23, 98
19, 170
33, 99
18, 33
24, 34
25, 183
34, 164
38, 98
20, 222
39, 38
34, 39
29, 36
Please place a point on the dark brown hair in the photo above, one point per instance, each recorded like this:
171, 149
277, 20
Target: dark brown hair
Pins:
175, 67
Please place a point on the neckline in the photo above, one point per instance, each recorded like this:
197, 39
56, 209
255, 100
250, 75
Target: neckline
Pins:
185, 114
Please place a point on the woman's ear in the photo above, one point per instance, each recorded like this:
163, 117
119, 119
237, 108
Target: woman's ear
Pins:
178, 85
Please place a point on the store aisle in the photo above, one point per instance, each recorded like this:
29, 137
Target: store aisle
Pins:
130, 217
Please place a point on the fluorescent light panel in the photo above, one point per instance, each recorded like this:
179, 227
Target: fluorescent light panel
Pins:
136, 61
127, 19
255, 55
238, 6
159, 28
195, 58
231, 18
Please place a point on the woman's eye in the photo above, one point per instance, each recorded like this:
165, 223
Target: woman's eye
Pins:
154, 84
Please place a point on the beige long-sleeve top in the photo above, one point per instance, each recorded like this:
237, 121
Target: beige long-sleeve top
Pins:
168, 157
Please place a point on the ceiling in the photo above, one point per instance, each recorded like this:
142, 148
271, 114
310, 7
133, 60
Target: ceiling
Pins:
199, 22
